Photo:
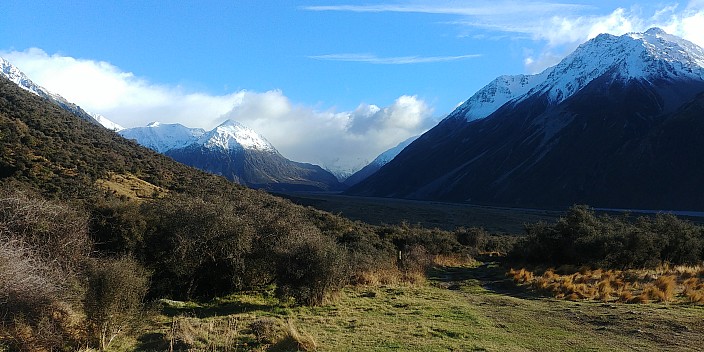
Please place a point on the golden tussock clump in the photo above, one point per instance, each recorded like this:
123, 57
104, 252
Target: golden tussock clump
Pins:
663, 284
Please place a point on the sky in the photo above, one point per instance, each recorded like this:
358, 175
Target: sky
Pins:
328, 82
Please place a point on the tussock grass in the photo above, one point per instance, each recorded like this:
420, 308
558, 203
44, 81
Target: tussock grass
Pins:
662, 284
213, 334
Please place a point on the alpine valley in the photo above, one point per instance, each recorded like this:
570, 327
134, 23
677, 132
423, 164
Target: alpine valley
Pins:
236, 152
616, 124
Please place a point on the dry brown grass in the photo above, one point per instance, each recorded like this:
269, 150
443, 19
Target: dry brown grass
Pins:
131, 187
663, 284
454, 260
390, 276
294, 340
204, 334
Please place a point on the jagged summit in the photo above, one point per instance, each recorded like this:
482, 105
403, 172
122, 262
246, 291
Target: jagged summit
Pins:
652, 55
233, 135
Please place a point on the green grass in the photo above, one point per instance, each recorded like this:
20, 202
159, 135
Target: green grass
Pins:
459, 309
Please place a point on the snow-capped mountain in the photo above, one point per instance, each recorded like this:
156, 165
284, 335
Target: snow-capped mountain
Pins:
378, 162
163, 137
500, 91
233, 135
614, 124
105, 122
14, 74
236, 152
650, 55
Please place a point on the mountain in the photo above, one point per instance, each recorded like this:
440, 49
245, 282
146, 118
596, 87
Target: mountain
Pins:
378, 162
614, 124
162, 137
236, 152
14, 74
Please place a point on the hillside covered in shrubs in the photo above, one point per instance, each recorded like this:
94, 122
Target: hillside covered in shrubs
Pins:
82, 249
93, 226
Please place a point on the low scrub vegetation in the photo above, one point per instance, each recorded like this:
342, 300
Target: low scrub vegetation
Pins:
584, 238
72, 278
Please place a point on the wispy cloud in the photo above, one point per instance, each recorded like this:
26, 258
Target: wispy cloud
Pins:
399, 60
476, 8
557, 27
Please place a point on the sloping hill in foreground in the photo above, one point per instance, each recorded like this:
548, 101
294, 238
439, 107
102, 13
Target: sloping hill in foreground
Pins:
199, 234
49, 149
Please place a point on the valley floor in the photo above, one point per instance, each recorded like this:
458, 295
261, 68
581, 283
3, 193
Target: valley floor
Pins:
459, 309
429, 214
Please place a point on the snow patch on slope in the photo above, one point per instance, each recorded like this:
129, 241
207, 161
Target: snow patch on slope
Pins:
385, 157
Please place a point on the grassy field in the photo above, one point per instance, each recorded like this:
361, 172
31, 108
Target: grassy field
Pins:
445, 216
470, 308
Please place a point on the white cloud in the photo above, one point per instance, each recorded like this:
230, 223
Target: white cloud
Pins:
100, 87
338, 140
344, 140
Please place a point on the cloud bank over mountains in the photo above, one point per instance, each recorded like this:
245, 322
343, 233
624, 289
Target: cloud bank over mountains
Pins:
334, 139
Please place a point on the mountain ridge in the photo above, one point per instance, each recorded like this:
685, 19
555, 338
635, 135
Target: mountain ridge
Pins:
235, 152
572, 138
16, 76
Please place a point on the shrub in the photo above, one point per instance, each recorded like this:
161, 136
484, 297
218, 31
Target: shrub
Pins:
117, 227
309, 268
198, 248
55, 232
34, 314
583, 238
116, 289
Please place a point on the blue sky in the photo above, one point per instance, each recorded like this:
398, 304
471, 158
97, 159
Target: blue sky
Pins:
329, 82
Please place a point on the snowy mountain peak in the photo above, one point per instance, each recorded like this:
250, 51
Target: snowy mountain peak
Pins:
652, 55
105, 122
162, 137
14, 74
233, 135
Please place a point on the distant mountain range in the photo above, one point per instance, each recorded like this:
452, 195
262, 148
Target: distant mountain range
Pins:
14, 74
616, 124
236, 152
230, 150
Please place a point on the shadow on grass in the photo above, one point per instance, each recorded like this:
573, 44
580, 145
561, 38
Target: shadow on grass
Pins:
152, 342
490, 276
208, 310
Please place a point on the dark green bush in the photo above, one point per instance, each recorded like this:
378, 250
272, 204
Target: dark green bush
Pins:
117, 227
309, 267
583, 238
197, 248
